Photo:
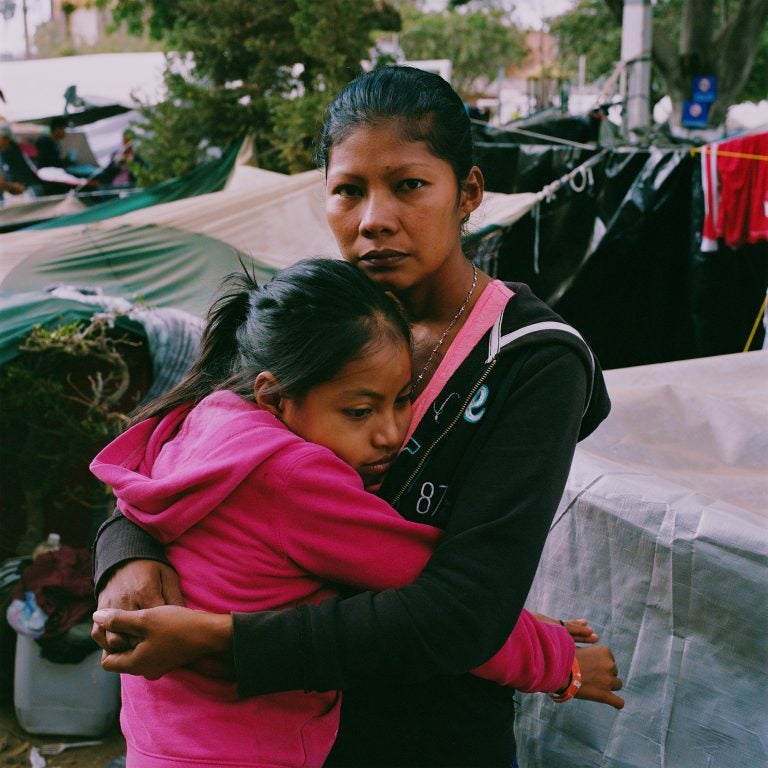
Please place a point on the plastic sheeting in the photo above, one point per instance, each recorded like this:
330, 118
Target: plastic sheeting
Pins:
610, 250
16, 213
616, 251
175, 254
208, 177
661, 540
157, 266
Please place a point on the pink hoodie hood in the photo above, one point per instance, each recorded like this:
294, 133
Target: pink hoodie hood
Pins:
169, 472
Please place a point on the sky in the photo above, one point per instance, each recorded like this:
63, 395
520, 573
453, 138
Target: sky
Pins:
528, 12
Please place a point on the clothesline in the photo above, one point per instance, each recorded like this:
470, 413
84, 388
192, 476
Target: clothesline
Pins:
547, 194
532, 134
726, 153
548, 191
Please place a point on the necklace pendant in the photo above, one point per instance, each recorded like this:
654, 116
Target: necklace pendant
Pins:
447, 330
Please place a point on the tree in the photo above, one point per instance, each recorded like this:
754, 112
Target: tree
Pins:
577, 35
256, 67
713, 38
52, 40
479, 40
712, 41
333, 38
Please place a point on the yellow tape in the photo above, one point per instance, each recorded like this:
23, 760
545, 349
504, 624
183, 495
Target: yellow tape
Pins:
757, 322
726, 153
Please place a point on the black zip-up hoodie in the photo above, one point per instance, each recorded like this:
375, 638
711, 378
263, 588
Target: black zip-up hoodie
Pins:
487, 464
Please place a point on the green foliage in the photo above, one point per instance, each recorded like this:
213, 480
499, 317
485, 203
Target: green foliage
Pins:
756, 88
592, 30
63, 399
479, 42
589, 30
51, 40
257, 68
157, 17
330, 40
297, 123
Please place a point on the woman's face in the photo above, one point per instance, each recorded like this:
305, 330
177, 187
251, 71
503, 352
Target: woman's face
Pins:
395, 208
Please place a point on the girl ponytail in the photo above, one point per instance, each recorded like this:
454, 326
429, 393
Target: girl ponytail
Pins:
303, 326
219, 350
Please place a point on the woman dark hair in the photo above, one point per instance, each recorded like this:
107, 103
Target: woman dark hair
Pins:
504, 390
424, 105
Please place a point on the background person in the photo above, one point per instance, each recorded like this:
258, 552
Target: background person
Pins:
122, 163
17, 171
48, 145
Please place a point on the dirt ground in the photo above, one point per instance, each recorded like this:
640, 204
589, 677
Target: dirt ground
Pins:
15, 745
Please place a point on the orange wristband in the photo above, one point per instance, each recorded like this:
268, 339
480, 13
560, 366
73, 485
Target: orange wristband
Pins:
573, 686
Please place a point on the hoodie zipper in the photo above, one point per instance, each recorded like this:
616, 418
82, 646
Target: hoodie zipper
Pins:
450, 426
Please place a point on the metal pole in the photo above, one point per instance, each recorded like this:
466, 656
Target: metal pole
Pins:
636, 41
26, 28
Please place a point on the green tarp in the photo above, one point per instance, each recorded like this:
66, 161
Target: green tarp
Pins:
208, 177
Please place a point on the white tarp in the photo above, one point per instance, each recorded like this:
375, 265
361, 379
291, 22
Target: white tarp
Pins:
274, 218
661, 540
18, 210
34, 88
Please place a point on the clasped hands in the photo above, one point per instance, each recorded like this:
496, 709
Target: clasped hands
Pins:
144, 629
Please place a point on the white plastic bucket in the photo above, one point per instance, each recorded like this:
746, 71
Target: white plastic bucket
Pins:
68, 699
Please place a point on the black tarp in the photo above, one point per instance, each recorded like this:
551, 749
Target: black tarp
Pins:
616, 252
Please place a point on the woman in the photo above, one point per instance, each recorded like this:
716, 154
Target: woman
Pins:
504, 390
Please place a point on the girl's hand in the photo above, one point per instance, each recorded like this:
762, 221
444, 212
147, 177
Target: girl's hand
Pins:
136, 584
164, 638
599, 676
578, 629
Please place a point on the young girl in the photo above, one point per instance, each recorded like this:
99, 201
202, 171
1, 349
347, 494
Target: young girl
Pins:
504, 390
253, 473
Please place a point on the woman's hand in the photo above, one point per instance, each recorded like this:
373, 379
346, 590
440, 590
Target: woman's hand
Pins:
165, 638
136, 584
599, 676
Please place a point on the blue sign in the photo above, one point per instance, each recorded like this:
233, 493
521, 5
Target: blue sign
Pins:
704, 88
695, 114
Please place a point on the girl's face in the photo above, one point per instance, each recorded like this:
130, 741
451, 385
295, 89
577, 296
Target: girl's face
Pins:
363, 414
395, 208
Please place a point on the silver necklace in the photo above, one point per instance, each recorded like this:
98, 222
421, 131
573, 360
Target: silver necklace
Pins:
447, 330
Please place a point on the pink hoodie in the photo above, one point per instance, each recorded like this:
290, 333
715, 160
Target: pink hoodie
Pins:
255, 518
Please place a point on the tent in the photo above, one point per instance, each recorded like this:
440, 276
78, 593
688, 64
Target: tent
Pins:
617, 250
661, 540
80, 208
175, 254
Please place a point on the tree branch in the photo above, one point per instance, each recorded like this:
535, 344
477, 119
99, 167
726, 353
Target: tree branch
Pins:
696, 37
736, 45
616, 7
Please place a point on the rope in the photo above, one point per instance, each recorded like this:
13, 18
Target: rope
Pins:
757, 322
726, 153
555, 139
548, 192
533, 134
